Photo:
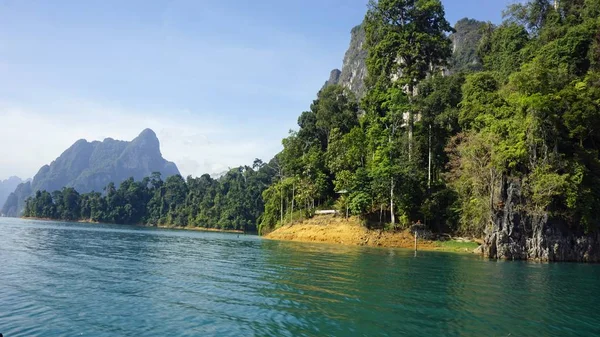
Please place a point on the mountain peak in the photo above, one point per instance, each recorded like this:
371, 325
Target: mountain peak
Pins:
7, 186
91, 166
334, 78
147, 140
12, 178
148, 134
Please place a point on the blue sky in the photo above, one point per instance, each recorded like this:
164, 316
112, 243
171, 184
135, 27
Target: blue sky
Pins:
220, 81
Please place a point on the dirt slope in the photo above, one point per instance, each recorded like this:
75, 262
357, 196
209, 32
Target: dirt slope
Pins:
329, 229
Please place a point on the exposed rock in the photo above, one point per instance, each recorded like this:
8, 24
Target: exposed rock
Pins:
354, 70
90, 166
15, 201
8, 186
465, 39
332, 229
334, 78
516, 234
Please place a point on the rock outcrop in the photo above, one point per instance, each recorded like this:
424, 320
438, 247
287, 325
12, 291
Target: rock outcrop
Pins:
334, 78
354, 70
8, 186
465, 39
90, 166
516, 234
15, 202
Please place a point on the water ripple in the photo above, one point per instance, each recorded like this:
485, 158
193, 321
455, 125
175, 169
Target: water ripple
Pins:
62, 279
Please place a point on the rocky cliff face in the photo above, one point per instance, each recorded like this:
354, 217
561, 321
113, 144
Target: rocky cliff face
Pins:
90, 166
15, 202
334, 78
518, 235
464, 45
8, 186
354, 70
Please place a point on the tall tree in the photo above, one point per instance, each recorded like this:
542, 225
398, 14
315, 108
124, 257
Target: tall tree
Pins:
407, 41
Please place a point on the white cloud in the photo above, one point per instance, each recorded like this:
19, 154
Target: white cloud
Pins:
33, 136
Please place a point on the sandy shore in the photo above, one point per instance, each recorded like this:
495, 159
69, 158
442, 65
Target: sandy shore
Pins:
328, 229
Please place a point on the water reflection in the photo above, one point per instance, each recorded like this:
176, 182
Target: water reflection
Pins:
343, 290
70, 279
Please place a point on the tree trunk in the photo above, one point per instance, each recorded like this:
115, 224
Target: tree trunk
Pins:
411, 94
429, 162
347, 209
292, 213
393, 218
281, 207
410, 135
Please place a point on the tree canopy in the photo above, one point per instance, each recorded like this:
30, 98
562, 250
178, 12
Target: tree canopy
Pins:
233, 201
437, 147
422, 144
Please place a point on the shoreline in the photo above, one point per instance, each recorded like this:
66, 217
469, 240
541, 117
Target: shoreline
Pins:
50, 219
350, 232
198, 229
328, 230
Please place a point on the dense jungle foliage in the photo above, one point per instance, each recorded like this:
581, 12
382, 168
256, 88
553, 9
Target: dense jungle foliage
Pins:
422, 144
425, 145
231, 202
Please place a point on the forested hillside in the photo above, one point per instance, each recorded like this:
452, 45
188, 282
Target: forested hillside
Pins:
509, 152
506, 147
231, 202
465, 39
90, 166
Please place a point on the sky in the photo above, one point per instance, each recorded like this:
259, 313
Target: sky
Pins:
221, 82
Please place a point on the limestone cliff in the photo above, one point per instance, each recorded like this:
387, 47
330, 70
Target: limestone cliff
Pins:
90, 166
354, 70
516, 234
465, 39
7, 186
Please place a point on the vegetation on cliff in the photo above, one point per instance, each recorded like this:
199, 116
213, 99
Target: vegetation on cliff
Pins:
231, 202
90, 166
439, 148
421, 144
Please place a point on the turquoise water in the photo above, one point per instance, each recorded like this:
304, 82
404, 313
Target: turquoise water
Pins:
60, 279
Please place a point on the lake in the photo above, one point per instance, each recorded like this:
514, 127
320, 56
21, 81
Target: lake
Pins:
65, 279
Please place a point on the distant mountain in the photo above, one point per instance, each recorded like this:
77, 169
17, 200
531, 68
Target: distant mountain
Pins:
354, 70
90, 166
8, 186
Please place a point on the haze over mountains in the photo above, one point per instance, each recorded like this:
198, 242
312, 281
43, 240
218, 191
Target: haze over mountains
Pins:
7, 187
90, 166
